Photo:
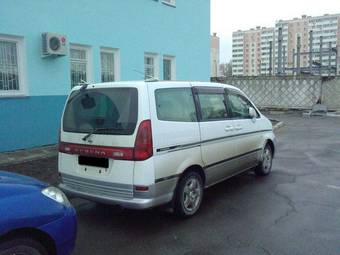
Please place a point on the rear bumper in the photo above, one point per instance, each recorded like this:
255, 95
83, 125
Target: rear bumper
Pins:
157, 194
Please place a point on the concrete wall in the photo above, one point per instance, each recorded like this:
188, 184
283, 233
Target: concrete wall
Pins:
132, 26
331, 93
289, 92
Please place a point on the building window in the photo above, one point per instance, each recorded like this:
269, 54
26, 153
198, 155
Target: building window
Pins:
170, 2
11, 66
151, 68
109, 65
80, 64
169, 68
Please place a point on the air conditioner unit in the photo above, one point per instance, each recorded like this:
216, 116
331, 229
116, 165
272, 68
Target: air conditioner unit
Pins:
54, 45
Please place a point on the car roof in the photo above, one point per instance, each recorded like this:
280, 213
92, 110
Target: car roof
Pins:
156, 84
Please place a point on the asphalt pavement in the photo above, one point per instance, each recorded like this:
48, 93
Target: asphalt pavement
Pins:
295, 210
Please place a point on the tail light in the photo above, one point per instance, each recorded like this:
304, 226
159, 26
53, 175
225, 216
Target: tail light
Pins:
142, 188
143, 144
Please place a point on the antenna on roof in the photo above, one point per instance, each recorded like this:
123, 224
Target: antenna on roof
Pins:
137, 71
146, 77
151, 79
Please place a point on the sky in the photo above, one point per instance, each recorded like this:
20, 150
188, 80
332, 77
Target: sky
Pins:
228, 16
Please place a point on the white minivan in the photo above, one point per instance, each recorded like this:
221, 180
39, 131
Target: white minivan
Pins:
143, 144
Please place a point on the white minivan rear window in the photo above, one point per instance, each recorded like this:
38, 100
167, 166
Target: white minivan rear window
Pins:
102, 111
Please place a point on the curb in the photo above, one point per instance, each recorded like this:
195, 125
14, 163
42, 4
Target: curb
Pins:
325, 114
333, 115
23, 156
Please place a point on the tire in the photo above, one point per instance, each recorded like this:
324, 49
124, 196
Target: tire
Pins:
265, 166
189, 195
22, 246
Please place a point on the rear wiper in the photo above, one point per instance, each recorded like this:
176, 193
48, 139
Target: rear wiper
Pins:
99, 129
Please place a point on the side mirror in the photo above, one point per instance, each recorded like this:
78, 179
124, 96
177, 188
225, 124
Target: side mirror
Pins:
252, 112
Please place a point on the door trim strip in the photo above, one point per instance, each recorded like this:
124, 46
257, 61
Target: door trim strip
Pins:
211, 165
189, 145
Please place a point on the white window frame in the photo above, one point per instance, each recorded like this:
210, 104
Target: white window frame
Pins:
169, 2
116, 59
21, 58
173, 66
89, 65
155, 63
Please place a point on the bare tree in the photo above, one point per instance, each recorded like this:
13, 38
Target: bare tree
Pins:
226, 69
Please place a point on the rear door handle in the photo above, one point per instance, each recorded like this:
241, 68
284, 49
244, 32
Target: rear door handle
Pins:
229, 128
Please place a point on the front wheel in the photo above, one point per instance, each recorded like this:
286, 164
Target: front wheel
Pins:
265, 166
22, 246
189, 195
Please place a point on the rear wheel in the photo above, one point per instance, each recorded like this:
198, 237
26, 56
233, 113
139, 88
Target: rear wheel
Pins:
189, 195
265, 166
22, 246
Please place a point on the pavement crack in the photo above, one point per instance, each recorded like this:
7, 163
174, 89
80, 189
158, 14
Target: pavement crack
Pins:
267, 252
289, 202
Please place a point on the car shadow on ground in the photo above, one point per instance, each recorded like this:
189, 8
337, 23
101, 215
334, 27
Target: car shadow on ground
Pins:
222, 201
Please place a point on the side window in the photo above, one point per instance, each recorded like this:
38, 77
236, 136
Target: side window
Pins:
239, 106
213, 106
175, 104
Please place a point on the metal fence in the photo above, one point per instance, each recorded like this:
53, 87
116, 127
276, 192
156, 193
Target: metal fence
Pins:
289, 92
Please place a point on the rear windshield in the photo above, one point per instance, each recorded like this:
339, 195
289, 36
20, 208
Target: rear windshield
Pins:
102, 111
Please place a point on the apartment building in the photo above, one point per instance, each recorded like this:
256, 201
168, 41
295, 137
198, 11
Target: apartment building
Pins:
238, 56
292, 31
214, 55
101, 41
267, 49
327, 26
251, 51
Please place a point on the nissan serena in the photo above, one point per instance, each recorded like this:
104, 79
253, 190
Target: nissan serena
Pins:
143, 144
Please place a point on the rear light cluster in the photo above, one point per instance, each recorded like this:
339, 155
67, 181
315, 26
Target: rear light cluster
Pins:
141, 151
143, 144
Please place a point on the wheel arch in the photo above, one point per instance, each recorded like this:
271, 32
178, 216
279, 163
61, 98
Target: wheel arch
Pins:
195, 168
40, 236
176, 203
271, 143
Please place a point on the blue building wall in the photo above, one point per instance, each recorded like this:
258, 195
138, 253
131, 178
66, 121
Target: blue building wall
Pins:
132, 26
